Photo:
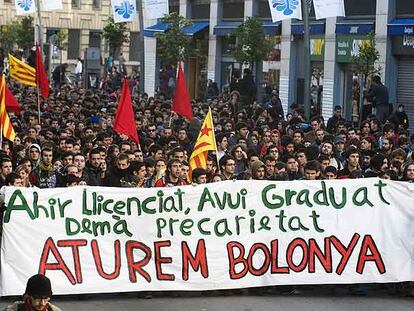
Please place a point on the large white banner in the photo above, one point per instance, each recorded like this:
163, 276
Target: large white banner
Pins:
25, 7
218, 236
156, 8
52, 5
285, 9
328, 8
124, 10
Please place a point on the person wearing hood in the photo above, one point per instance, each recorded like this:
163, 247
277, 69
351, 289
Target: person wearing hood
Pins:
120, 174
36, 296
258, 169
34, 154
235, 104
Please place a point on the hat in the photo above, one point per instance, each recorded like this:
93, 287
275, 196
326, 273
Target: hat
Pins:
35, 146
256, 165
339, 139
377, 161
38, 286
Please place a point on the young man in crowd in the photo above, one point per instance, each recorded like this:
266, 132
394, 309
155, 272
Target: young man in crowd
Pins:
36, 296
43, 175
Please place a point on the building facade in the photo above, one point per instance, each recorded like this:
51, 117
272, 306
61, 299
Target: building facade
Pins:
334, 44
84, 21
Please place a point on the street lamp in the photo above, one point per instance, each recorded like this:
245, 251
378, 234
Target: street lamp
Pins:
306, 5
140, 9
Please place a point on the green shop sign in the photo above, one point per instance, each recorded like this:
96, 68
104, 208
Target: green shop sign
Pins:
317, 47
347, 47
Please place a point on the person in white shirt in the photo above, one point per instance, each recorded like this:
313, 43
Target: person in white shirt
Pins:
78, 70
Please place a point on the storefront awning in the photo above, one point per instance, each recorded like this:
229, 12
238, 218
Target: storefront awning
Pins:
195, 28
272, 29
162, 27
154, 29
354, 28
401, 27
226, 28
315, 29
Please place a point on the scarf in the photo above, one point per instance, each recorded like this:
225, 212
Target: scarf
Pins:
27, 306
45, 169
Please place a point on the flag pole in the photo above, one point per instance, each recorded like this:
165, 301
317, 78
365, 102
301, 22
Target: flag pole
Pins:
2, 100
39, 25
306, 59
38, 103
214, 139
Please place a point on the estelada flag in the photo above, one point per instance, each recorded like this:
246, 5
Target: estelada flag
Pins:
206, 141
41, 76
181, 102
124, 122
21, 71
11, 102
5, 124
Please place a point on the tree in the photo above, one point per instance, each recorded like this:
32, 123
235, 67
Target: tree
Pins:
252, 47
251, 43
20, 31
173, 44
365, 62
116, 35
61, 41
8, 36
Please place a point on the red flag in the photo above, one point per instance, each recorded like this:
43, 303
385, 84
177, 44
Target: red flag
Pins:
181, 102
11, 102
124, 119
41, 76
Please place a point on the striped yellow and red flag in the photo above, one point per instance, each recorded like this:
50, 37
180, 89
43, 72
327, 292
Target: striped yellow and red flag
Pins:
5, 124
21, 71
206, 141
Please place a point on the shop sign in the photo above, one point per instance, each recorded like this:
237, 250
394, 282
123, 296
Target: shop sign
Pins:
317, 47
348, 47
403, 45
409, 30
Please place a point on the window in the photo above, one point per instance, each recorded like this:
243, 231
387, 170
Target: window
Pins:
134, 47
233, 9
7, 1
94, 39
96, 4
200, 9
75, 4
357, 8
263, 10
174, 6
73, 43
404, 8
228, 42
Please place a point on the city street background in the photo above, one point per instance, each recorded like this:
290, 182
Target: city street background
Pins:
322, 298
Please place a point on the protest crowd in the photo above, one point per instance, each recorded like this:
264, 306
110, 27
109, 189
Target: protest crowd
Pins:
72, 141
69, 139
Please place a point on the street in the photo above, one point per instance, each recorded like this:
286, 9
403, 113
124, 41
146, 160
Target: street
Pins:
323, 298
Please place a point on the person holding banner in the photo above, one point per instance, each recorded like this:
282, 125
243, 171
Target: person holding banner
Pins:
36, 296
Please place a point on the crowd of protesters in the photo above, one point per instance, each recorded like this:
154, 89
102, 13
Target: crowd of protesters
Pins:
71, 141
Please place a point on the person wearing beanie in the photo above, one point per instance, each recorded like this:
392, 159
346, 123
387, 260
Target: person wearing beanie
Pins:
36, 296
379, 164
